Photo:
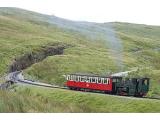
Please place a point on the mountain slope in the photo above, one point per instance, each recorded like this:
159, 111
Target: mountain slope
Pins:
95, 48
30, 99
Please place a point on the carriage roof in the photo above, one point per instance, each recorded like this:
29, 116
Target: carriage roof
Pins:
94, 75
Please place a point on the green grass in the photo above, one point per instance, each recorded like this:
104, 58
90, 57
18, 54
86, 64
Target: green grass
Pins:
23, 32
30, 99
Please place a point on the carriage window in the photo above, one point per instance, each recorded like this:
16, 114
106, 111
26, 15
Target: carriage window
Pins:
73, 77
82, 78
68, 77
96, 79
77, 78
108, 80
87, 79
92, 79
99, 81
104, 81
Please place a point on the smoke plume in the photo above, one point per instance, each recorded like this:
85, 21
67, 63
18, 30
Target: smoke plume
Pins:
95, 31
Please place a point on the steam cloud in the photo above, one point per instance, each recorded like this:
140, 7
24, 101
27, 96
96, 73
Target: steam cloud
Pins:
95, 31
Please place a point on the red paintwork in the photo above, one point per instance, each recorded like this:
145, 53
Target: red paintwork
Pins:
93, 86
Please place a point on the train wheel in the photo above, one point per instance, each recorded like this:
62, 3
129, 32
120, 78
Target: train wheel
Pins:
78, 89
70, 88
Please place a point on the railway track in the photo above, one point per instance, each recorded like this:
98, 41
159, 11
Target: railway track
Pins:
41, 84
17, 77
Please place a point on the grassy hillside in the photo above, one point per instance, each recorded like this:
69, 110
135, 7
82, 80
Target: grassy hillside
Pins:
30, 99
96, 48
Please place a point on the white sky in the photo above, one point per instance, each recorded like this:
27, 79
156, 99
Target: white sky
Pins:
134, 11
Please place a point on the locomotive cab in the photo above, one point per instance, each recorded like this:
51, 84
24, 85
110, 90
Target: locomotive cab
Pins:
142, 86
130, 86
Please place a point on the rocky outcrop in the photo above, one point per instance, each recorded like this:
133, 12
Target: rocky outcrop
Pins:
28, 59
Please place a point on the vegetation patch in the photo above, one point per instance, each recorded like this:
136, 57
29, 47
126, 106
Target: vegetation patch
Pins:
29, 59
35, 99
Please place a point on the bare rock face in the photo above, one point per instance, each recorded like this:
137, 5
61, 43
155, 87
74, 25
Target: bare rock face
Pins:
28, 59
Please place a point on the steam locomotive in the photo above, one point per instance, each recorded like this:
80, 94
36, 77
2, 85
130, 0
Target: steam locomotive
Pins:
116, 85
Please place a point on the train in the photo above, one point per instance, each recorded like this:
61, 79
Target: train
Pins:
116, 85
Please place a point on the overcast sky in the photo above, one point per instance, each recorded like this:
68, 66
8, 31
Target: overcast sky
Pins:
134, 11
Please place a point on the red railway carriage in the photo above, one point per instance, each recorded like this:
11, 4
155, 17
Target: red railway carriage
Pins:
113, 85
78, 81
